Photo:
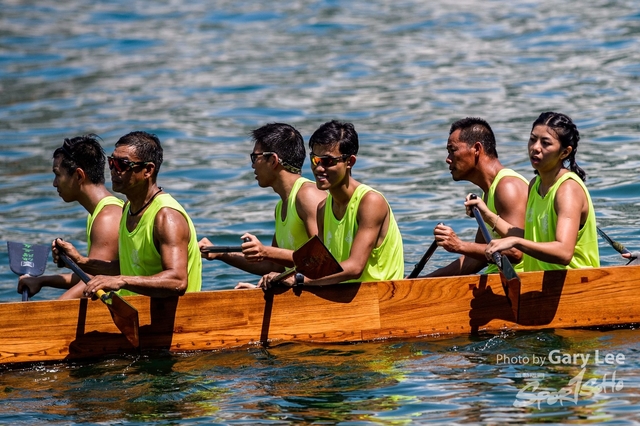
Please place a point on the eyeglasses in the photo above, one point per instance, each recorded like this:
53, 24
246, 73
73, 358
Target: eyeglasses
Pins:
326, 160
123, 165
254, 155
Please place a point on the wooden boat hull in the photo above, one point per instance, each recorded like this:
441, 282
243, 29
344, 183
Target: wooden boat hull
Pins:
214, 320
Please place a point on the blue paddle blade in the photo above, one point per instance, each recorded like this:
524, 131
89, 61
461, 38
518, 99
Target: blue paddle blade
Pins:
28, 258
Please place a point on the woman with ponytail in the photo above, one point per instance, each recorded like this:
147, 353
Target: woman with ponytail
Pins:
560, 224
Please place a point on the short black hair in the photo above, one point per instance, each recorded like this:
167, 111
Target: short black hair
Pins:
336, 132
474, 129
147, 146
84, 152
284, 140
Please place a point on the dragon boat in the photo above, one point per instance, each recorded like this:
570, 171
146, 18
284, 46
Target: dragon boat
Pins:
423, 308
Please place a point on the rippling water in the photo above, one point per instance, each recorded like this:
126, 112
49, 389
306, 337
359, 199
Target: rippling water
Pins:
202, 75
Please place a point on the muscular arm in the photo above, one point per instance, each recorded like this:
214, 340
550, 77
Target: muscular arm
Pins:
104, 245
472, 260
307, 200
373, 222
259, 259
171, 237
510, 200
104, 239
260, 266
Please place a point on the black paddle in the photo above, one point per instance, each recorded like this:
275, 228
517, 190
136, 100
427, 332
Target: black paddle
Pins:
123, 314
30, 259
224, 249
617, 246
508, 276
425, 258
221, 249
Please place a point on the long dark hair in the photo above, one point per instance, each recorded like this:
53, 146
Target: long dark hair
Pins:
567, 134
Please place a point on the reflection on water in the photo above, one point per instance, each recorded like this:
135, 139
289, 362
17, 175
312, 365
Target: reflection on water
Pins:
447, 380
202, 75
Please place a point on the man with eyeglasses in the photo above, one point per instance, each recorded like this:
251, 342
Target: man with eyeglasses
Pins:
158, 247
472, 156
277, 159
78, 168
355, 221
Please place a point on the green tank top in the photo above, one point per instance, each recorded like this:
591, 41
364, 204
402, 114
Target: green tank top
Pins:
291, 233
106, 201
541, 223
385, 262
493, 268
139, 256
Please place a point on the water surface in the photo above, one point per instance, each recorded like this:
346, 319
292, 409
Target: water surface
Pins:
202, 75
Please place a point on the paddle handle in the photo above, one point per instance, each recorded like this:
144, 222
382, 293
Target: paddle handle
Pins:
425, 258
25, 294
281, 276
485, 232
79, 272
616, 245
221, 249
224, 249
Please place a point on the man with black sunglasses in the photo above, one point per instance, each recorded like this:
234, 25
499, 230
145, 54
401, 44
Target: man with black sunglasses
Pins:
78, 168
355, 222
158, 247
277, 159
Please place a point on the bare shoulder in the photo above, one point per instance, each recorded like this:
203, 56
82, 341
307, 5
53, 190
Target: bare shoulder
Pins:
511, 187
570, 189
309, 193
373, 204
169, 220
109, 216
322, 204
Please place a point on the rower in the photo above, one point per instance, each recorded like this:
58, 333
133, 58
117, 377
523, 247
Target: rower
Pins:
472, 156
277, 158
78, 169
560, 227
355, 222
158, 248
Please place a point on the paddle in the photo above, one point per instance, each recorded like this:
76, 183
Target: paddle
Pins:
312, 260
224, 249
124, 315
29, 259
425, 258
221, 249
617, 246
508, 276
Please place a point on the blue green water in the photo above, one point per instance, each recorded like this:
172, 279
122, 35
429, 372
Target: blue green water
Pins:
202, 75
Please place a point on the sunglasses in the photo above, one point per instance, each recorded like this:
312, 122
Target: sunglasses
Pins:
254, 155
326, 160
123, 165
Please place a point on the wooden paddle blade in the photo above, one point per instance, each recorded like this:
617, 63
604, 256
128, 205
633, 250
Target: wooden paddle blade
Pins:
124, 316
314, 260
510, 280
28, 259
